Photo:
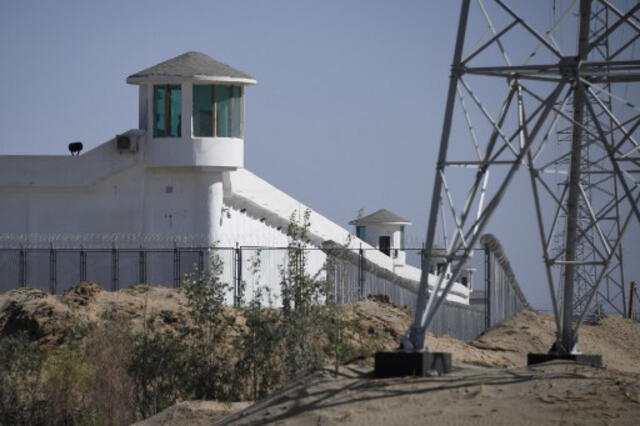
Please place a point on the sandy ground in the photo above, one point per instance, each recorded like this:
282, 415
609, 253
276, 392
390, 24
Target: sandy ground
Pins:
193, 413
553, 393
507, 344
491, 384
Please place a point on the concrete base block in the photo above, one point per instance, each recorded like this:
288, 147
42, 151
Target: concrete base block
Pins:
398, 364
593, 360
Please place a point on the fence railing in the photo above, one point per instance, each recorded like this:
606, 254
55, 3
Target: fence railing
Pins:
504, 295
349, 274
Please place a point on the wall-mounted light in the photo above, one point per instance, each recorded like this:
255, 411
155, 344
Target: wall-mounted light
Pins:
75, 148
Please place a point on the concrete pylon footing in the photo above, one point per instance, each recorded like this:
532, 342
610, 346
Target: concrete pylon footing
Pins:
421, 364
592, 360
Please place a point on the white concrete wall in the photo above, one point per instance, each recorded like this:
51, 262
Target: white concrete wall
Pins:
104, 194
169, 203
256, 195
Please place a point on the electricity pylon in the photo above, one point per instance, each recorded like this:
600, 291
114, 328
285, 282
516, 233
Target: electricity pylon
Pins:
518, 107
611, 294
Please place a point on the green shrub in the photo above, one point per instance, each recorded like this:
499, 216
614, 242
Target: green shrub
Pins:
158, 371
21, 381
67, 386
111, 394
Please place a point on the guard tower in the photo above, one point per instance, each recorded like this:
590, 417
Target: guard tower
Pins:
192, 111
191, 115
384, 230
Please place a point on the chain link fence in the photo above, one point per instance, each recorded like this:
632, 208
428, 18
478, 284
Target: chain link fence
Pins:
350, 276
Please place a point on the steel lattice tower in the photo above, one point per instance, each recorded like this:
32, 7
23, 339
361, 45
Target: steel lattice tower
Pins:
512, 110
596, 181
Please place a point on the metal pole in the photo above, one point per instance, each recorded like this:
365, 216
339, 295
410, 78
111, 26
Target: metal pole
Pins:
633, 295
417, 332
52, 270
566, 339
83, 264
142, 264
360, 273
23, 267
176, 266
487, 285
115, 265
238, 256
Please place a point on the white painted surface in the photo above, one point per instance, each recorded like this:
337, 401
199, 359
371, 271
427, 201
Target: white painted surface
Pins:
189, 190
226, 153
256, 195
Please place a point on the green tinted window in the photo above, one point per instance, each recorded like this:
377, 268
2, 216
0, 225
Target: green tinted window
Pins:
223, 111
175, 115
203, 110
236, 111
167, 111
217, 111
159, 112
361, 232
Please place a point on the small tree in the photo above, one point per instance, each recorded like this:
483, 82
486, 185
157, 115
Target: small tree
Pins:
191, 362
208, 360
261, 363
302, 296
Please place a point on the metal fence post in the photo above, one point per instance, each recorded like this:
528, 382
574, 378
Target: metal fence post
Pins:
360, 273
238, 275
487, 286
23, 267
83, 264
143, 266
176, 266
52, 270
633, 297
115, 266
200, 260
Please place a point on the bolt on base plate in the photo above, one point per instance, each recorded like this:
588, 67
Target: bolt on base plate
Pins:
592, 360
421, 364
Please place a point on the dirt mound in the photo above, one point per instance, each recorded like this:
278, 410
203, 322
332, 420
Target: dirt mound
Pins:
51, 319
370, 325
375, 325
83, 294
507, 344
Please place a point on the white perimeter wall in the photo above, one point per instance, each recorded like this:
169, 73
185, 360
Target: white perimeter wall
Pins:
169, 202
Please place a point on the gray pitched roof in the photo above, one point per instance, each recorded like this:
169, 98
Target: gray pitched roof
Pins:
382, 216
191, 66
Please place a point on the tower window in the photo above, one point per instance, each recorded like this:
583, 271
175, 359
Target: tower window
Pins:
361, 232
217, 111
167, 110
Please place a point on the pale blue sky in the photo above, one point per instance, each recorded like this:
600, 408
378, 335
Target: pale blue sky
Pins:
347, 112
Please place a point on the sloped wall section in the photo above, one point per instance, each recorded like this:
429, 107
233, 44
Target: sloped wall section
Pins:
355, 277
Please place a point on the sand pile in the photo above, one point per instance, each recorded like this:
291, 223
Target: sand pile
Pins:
194, 413
50, 319
507, 344
552, 393
370, 325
